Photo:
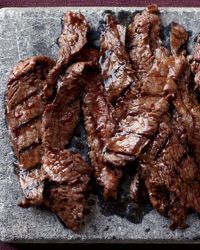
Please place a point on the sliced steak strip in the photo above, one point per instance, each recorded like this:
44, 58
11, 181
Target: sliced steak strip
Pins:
115, 66
170, 173
143, 38
24, 106
71, 42
100, 126
68, 171
64, 176
141, 109
171, 176
186, 103
62, 115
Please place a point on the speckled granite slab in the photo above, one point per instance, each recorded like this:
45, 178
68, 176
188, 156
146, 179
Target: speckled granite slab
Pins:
27, 32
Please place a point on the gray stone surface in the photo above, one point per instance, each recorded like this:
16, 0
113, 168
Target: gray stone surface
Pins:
27, 32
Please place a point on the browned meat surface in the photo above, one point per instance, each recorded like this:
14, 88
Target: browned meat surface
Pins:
32, 184
62, 115
186, 103
71, 42
41, 130
74, 35
170, 173
141, 109
24, 107
115, 66
67, 196
61, 166
143, 39
100, 126
171, 176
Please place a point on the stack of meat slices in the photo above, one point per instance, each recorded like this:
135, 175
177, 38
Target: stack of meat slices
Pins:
140, 102
156, 113
42, 109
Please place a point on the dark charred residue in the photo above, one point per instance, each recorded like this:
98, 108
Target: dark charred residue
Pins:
123, 206
165, 35
106, 12
190, 33
124, 17
93, 38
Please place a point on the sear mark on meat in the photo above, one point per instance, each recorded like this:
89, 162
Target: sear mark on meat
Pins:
40, 130
142, 107
24, 106
143, 38
171, 176
71, 42
100, 126
115, 66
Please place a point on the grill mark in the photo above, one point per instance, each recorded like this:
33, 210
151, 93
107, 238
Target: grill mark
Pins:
25, 99
32, 146
28, 123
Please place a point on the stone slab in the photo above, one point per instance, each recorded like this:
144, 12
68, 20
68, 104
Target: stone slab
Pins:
31, 31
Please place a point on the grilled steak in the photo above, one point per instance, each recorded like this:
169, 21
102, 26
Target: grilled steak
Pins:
41, 130
170, 173
68, 170
140, 110
114, 61
186, 103
143, 38
100, 126
24, 108
71, 42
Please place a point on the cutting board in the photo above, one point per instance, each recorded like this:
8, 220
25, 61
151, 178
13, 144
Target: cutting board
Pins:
31, 31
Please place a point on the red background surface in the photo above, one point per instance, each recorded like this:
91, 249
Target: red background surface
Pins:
53, 3
34, 3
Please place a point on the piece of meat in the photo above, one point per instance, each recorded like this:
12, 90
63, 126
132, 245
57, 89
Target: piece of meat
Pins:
31, 182
142, 107
68, 170
168, 168
73, 37
41, 130
72, 40
114, 61
100, 126
186, 103
67, 196
178, 38
171, 175
24, 108
143, 38
62, 115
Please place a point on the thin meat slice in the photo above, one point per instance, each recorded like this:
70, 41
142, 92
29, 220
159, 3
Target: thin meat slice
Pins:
62, 115
69, 175
44, 132
186, 103
115, 65
24, 107
68, 171
100, 126
74, 35
143, 38
170, 173
32, 184
141, 109
72, 40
